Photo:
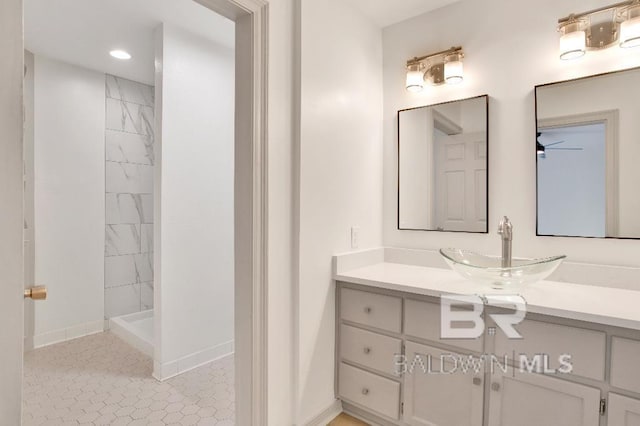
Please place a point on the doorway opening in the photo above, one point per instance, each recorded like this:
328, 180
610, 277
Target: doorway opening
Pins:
248, 198
577, 184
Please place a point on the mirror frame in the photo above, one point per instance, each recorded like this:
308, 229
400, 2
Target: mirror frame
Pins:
486, 99
535, 108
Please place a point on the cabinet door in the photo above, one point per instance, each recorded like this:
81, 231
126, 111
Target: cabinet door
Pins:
529, 399
623, 411
438, 394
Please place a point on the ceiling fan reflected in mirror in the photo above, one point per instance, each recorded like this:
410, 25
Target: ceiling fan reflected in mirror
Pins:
542, 149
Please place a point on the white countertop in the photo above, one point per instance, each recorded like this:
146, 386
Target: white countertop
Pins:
603, 305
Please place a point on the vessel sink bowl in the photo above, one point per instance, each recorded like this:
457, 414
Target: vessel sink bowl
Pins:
489, 270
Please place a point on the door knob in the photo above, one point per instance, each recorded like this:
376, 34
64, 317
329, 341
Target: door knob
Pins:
36, 293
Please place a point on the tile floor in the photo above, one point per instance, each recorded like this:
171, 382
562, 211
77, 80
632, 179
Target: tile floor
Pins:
101, 380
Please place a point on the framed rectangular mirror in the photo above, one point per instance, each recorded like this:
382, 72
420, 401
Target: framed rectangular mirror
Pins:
442, 166
588, 156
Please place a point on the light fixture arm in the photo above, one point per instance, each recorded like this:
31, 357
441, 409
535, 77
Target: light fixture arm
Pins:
577, 16
418, 59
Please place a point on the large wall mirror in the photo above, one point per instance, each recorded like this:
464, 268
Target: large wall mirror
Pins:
442, 166
588, 156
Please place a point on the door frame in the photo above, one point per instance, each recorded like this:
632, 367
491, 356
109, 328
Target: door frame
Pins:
251, 171
250, 199
11, 211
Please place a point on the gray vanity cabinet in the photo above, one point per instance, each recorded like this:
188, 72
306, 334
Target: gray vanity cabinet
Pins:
380, 333
393, 368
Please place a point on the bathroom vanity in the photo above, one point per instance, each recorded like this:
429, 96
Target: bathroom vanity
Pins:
393, 367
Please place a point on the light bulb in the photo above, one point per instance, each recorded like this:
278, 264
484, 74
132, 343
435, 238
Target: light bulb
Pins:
630, 32
415, 78
453, 69
573, 45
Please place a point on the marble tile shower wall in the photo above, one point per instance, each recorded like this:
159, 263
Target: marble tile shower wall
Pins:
129, 138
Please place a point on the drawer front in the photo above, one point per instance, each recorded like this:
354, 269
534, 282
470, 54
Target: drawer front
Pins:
422, 320
374, 310
376, 393
369, 349
587, 348
625, 354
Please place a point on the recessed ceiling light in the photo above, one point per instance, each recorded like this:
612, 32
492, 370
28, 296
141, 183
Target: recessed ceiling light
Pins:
120, 54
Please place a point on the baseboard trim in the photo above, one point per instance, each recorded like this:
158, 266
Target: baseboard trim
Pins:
167, 370
330, 413
365, 416
62, 335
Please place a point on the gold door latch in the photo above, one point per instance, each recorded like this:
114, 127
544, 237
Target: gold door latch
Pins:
36, 293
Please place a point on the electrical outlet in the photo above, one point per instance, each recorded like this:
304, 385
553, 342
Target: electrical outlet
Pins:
355, 236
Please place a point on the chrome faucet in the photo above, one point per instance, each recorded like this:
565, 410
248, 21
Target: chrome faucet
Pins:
505, 229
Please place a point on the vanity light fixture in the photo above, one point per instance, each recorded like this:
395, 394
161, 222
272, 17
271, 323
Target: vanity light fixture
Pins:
437, 68
599, 29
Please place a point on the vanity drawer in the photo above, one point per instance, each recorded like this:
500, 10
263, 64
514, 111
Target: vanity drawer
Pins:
374, 310
376, 393
422, 320
369, 349
586, 347
625, 373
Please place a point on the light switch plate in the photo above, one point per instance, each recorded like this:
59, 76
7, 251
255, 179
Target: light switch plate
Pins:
355, 236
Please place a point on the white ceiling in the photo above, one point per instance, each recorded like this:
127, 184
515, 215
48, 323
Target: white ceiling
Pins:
82, 32
388, 12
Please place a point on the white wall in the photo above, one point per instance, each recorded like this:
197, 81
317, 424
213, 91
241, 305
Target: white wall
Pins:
194, 237
340, 175
69, 117
505, 58
283, 37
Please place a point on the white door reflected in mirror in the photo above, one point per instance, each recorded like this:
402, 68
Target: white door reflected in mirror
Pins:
442, 168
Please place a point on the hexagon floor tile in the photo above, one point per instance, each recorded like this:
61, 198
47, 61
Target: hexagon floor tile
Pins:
101, 380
